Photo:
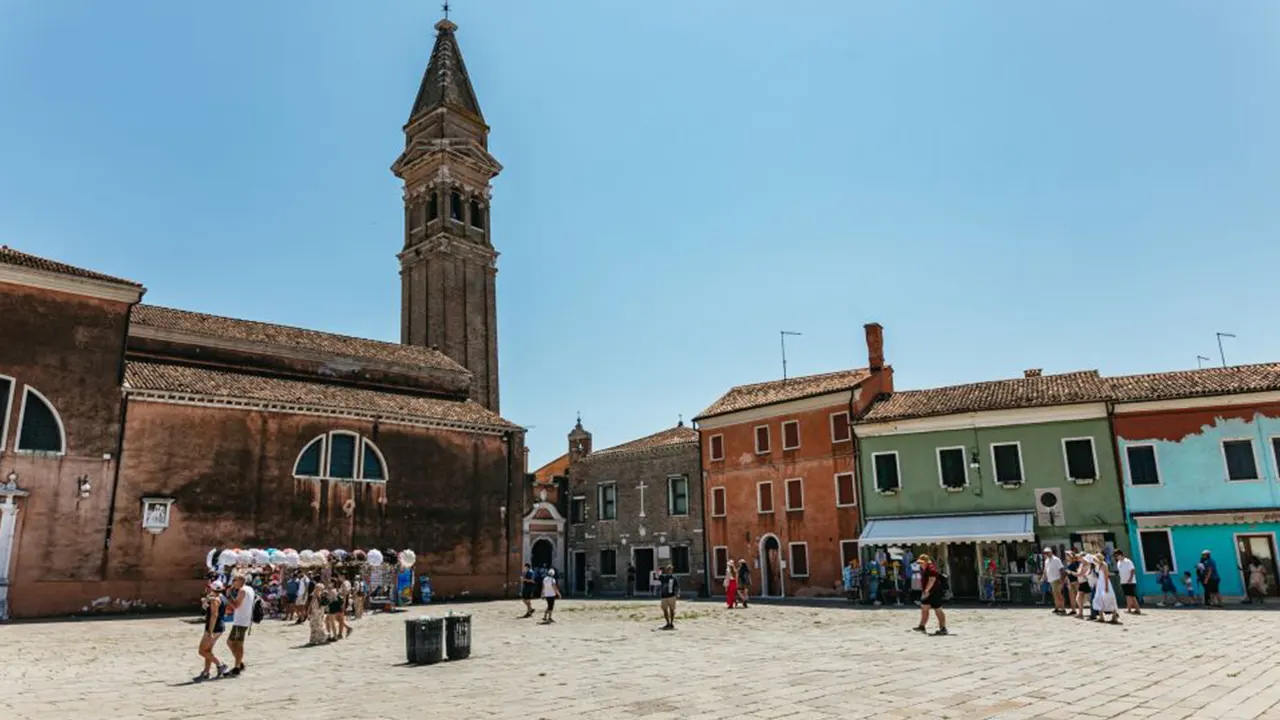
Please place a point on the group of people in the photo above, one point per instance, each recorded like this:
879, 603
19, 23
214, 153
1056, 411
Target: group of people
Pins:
237, 607
737, 583
535, 582
324, 603
1081, 582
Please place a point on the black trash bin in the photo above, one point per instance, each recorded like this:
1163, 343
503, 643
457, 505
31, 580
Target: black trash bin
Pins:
457, 636
423, 642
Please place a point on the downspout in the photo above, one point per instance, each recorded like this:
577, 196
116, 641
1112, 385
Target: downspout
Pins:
857, 467
509, 437
702, 490
1115, 456
124, 407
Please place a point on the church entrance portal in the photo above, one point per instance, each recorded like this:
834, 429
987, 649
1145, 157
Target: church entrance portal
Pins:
541, 554
771, 567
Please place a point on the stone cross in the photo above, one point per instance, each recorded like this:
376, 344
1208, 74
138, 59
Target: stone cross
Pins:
641, 487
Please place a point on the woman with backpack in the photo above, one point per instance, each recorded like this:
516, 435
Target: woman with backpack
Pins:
933, 597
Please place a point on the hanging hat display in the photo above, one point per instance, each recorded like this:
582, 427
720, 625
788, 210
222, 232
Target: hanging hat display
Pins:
407, 558
375, 557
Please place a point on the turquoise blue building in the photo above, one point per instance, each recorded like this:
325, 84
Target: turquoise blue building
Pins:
1199, 453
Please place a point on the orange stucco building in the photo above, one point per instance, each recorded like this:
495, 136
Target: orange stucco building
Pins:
780, 486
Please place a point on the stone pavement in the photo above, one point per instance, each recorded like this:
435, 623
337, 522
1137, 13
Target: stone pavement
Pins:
607, 660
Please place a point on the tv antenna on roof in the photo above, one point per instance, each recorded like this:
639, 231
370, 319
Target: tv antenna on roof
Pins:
784, 334
1220, 353
1201, 360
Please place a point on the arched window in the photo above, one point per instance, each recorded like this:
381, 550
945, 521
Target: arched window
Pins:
477, 215
6, 404
39, 427
341, 455
455, 206
433, 206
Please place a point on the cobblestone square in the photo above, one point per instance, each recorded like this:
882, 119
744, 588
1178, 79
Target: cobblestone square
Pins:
608, 660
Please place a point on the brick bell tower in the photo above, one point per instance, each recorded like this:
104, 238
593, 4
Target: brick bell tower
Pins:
448, 265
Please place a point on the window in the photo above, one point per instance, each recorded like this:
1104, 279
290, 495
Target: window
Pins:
953, 469
678, 496
717, 447
795, 494
718, 503
680, 559
578, 509
1082, 463
791, 435
1142, 465
433, 206
1007, 459
720, 556
338, 455
764, 497
1275, 451
799, 564
1242, 464
840, 427
477, 215
609, 562
885, 467
848, 551
6, 405
455, 206
39, 427
762, 440
1157, 547
846, 491
608, 502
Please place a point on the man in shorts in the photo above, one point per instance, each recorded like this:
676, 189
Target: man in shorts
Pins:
242, 600
1053, 570
669, 588
1210, 579
933, 598
1128, 583
528, 589
550, 591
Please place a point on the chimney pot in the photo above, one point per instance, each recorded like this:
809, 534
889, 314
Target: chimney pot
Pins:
875, 346
1033, 372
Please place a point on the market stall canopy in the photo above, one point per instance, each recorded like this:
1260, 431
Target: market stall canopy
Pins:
949, 529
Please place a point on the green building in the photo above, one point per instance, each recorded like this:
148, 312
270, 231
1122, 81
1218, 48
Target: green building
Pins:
982, 476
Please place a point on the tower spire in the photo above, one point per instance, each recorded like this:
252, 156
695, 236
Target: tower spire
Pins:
446, 83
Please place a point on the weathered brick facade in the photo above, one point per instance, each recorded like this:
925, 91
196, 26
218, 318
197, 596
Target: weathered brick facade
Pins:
656, 513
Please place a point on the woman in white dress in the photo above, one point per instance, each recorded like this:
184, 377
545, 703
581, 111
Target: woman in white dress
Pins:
1104, 598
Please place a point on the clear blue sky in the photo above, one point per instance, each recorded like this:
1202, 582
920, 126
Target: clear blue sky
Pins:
1003, 185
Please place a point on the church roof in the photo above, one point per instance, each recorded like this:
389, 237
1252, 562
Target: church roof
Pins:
9, 256
446, 81
216, 326
746, 397
233, 389
671, 437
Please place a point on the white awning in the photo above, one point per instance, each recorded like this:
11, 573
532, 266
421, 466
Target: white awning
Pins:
949, 529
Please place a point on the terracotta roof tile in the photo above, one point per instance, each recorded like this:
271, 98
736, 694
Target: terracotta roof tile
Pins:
1196, 383
9, 256
216, 326
186, 379
679, 435
1025, 392
745, 397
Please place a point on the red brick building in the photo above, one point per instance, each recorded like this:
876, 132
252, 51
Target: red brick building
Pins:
134, 438
780, 488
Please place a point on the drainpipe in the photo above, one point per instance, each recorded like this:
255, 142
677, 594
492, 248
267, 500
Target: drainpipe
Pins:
857, 473
509, 438
124, 407
1115, 455
702, 483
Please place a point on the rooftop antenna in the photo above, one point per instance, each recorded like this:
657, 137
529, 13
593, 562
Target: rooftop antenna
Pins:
784, 334
1201, 360
445, 8
1220, 352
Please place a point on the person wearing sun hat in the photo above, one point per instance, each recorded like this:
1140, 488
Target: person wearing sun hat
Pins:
214, 624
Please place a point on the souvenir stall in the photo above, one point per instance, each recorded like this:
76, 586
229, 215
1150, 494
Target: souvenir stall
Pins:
388, 575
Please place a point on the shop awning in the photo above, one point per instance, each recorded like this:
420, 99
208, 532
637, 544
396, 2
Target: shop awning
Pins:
1220, 517
949, 529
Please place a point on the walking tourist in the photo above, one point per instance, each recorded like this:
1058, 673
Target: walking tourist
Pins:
1128, 583
1257, 581
731, 585
528, 589
291, 597
340, 617
242, 601
213, 627
362, 589
850, 577
934, 596
1072, 584
550, 591
917, 583
744, 581
669, 588
1167, 587
1104, 595
1084, 588
315, 615
304, 593
631, 581
653, 582
1053, 570
1190, 586
1210, 579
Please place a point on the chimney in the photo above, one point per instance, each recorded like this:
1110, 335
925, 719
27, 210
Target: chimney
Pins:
1033, 372
875, 346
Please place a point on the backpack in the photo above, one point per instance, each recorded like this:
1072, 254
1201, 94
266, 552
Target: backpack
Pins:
258, 610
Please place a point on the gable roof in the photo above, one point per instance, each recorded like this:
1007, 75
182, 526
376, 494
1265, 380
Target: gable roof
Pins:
1025, 392
1196, 383
671, 437
216, 326
556, 467
9, 256
746, 397
218, 385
